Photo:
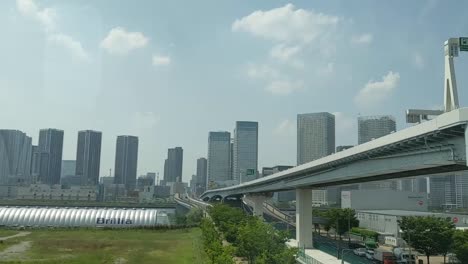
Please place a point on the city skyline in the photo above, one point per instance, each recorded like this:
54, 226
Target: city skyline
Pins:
76, 73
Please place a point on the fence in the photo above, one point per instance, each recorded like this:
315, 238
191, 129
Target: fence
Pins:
302, 257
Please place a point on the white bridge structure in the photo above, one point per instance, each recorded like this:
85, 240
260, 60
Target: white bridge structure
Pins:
436, 146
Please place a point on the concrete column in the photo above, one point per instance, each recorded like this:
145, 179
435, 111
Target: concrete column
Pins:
304, 218
257, 201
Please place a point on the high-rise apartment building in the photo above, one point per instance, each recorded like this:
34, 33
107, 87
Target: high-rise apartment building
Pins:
373, 127
173, 165
126, 161
50, 155
219, 158
68, 168
449, 191
15, 157
245, 151
315, 136
88, 157
202, 170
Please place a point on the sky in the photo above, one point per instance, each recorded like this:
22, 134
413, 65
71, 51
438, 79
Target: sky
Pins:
171, 71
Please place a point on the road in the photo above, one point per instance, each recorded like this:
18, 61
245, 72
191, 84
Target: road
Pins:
329, 246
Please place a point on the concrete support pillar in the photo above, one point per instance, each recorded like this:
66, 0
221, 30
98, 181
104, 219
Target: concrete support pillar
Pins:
257, 201
304, 218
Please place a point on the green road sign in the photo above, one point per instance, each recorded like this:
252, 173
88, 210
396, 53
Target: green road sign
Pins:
463, 44
250, 172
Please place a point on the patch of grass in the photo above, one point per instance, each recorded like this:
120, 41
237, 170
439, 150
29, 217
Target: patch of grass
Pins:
7, 232
106, 246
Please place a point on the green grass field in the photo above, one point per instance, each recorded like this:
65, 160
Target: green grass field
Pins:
110, 246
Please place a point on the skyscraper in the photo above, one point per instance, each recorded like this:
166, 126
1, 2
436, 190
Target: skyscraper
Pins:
245, 151
126, 160
68, 168
219, 158
15, 157
88, 157
373, 127
50, 155
202, 166
173, 166
315, 136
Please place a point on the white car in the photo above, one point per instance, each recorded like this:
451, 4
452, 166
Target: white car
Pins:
360, 252
370, 254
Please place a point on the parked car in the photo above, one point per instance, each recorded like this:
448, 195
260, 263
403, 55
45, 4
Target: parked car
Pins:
370, 254
360, 252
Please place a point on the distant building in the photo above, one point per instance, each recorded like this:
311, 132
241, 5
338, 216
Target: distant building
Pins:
384, 200
341, 148
146, 180
112, 192
385, 222
315, 136
218, 163
202, 171
373, 127
245, 151
8, 191
56, 192
272, 170
382, 185
50, 155
173, 164
107, 180
126, 160
70, 180
15, 157
68, 168
319, 197
449, 191
162, 191
35, 163
88, 157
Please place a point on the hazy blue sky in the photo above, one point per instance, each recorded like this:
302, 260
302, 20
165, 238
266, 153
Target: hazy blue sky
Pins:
170, 71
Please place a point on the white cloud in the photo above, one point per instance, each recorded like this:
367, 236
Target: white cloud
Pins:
418, 61
285, 127
281, 87
73, 46
45, 16
327, 70
283, 52
161, 60
145, 120
374, 92
263, 71
362, 39
120, 41
286, 24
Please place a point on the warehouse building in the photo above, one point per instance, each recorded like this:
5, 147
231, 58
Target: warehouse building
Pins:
81, 217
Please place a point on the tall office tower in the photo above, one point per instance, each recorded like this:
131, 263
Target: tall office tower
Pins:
373, 127
315, 136
219, 157
35, 163
126, 160
88, 157
50, 155
202, 166
245, 151
173, 166
15, 157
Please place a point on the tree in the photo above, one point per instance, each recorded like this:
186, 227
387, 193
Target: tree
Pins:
460, 245
213, 245
194, 216
429, 234
340, 220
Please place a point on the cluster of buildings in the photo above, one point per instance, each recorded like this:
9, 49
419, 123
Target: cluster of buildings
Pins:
231, 159
32, 172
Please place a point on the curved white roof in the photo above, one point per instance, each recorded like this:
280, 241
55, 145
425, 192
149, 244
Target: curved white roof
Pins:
81, 217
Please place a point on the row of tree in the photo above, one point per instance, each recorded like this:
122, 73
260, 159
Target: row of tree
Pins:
249, 237
435, 236
340, 220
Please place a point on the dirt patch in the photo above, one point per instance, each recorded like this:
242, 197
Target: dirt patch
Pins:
120, 260
15, 252
20, 234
